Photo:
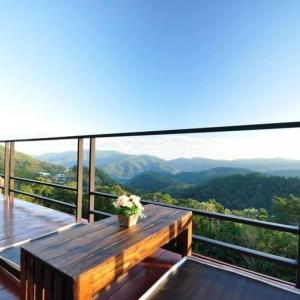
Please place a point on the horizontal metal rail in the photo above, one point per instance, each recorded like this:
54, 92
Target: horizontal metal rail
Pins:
284, 125
218, 216
59, 186
246, 251
70, 205
99, 212
236, 219
107, 195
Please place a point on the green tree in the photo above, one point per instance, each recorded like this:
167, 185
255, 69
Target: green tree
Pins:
286, 210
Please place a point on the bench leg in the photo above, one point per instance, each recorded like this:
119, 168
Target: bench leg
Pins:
182, 244
184, 241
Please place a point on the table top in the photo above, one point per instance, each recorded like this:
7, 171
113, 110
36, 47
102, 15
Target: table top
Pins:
79, 250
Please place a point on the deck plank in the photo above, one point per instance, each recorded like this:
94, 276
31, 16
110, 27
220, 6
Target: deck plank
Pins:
22, 220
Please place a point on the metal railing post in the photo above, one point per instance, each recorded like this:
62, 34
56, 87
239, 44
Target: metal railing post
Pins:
6, 169
92, 171
11, 170
298, 263
79, 179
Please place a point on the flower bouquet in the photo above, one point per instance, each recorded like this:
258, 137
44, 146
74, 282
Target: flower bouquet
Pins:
129, 209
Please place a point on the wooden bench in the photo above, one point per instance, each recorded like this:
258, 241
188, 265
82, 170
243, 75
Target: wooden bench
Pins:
80, 262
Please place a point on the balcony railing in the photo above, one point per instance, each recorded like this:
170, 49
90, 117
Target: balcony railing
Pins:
10, 190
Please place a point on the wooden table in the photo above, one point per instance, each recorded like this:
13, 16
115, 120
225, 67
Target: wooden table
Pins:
80, 262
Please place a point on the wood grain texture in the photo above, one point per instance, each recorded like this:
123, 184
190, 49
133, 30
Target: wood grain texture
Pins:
89, 258
22, 220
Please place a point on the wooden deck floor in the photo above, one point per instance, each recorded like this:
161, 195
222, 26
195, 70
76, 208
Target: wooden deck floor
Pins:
21, 220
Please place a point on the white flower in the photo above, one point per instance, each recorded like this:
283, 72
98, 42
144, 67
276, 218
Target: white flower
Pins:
129, 204
136, 201
134, 197
121, 201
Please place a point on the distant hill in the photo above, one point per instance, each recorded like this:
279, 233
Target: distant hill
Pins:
28, 166
101, 177
243, 191
116, 164
286, 173
154, 181
69, 158
150, 181
255, 164
123, 166
267, 164
207, 175
196, 164
136, 164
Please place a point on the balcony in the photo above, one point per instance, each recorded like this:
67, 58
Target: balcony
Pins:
25, 223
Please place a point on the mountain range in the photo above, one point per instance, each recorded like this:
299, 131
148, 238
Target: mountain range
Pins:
123, 166
233, 187
151, 181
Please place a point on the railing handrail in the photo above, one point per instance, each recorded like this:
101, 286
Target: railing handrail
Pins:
54, 185
230, 128
43, 198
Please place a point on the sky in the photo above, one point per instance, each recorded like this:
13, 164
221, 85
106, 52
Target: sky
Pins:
84, 67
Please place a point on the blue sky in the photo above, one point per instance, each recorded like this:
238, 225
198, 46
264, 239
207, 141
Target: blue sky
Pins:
72, 67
